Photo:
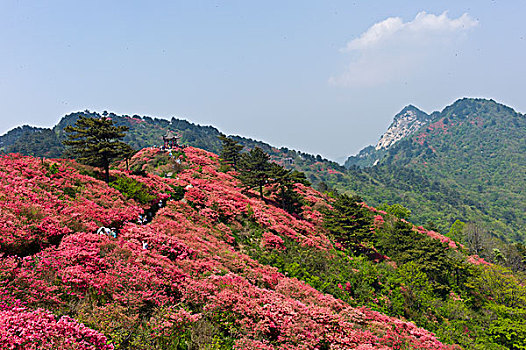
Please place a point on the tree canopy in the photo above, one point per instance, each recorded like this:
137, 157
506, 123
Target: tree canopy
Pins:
254, 169
349, 222
96, 142
230, 151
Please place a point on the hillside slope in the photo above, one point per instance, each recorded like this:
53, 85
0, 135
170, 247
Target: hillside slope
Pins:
477, 147
195, 260
474, 148
484, 194
177, 280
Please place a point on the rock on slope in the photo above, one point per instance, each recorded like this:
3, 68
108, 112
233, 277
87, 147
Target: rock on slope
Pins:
405, 123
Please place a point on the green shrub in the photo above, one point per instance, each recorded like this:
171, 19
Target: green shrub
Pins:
133, 189
178, 193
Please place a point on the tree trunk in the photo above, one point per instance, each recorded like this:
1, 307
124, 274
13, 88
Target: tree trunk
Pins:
107, 173
261, 191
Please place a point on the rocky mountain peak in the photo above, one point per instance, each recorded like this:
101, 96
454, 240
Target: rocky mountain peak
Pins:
405, 123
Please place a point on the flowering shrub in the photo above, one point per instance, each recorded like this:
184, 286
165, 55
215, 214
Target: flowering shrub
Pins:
40, 206
476, 260
272, 241
177, 275
39, 329
378, 221
437, 236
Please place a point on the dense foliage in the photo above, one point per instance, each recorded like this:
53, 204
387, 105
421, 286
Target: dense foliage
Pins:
215, 267
180, 281
230, 151
409, 272
97, 142
428, 174
254, 169
478, 147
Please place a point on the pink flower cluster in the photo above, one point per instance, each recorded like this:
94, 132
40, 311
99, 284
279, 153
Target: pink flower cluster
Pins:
477, 260
271, 241
44, 200
379, 221
182, 260
39, 329
438, 236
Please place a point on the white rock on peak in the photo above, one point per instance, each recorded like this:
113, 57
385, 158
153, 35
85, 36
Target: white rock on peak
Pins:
403, 125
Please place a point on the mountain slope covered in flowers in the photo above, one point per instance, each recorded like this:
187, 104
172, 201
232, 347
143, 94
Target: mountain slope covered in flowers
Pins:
191, 261
425, 172
178, 280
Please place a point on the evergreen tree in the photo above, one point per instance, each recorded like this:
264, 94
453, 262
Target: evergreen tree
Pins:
398, 210
349, 222
284, 179
231, 150
96, 142
254, 169
403, 244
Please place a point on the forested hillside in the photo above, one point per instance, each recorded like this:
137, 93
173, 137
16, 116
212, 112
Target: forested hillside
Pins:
477, 147
193, 259
450, 169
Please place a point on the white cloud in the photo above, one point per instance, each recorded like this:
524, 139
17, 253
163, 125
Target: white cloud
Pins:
392, 49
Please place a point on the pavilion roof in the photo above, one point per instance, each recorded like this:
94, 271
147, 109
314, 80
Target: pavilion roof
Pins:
170, 136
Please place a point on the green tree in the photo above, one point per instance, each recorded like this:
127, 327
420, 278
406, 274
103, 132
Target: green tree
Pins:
349, 222
285, 181
96, 142
416, 287
397, 210
509, 333
456, 231
230, 151
254, 169
500, 285
401, 243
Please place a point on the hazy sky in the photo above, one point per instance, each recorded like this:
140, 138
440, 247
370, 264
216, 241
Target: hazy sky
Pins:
325, 77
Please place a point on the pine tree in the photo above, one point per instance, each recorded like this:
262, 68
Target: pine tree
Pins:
96, 142
348, 221
231, 151
254, 169
285, 180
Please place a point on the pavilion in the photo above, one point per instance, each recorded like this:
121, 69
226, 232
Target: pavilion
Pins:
171, 140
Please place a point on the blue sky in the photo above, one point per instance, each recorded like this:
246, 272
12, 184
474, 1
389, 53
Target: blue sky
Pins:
325, 77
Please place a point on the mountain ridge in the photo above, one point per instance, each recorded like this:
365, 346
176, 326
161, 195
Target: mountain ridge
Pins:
477, 146
431, 197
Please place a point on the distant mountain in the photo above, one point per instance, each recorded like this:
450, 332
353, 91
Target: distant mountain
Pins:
9, 138
404, 124
438, 170
143, 132
476, 147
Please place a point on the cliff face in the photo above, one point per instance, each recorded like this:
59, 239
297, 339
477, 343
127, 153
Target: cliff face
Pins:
405, 123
